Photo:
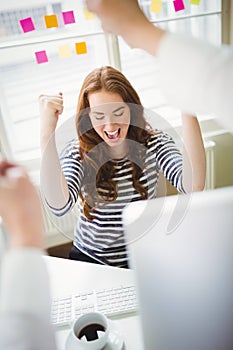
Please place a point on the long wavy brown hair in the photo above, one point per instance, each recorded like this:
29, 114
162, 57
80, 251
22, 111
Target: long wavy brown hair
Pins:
99, 169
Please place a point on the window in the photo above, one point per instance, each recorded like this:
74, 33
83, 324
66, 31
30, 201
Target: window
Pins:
23, 80
202, 21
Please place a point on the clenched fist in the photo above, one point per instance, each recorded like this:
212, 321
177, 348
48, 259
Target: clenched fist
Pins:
51, 106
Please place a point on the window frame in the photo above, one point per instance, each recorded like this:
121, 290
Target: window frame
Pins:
114, 59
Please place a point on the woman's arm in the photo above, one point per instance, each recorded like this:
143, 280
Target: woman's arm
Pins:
24, 303
23, 269
125, 18
194, 161
195, 75
53, 183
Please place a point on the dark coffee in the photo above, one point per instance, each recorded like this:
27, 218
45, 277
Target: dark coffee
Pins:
90, 331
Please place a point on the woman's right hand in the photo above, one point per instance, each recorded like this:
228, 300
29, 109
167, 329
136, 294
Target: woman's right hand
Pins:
51, 106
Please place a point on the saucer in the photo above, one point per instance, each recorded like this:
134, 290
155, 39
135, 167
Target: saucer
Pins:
115, 340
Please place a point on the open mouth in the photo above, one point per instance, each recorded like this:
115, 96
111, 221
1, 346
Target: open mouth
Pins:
113, 135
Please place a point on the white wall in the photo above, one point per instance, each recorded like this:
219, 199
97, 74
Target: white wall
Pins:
223, 152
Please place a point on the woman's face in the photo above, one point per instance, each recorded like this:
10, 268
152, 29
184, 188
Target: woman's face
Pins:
110, 116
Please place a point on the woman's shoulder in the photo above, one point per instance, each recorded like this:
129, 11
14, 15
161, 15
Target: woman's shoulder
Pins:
71, 150
157, 137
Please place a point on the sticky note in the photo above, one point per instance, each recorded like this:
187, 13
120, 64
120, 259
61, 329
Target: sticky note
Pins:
27, 24
64, 51
51, 21
68, 17
88, 14
81, 48
156, 6
41, 56
178, 5
195, 2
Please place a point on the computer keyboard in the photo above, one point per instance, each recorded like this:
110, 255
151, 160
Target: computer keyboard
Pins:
111, 301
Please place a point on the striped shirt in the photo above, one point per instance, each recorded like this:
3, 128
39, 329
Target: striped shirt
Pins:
102, 238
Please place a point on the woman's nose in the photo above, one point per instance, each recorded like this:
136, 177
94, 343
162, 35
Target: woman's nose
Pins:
109, 120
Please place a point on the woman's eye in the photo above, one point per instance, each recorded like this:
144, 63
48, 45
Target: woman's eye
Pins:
119, 114
99, 117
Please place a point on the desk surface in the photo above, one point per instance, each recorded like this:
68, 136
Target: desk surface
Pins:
68, 276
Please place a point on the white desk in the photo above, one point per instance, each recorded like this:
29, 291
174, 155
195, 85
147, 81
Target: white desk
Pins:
69, 277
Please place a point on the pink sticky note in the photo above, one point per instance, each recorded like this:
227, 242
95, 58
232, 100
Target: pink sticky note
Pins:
178, 5
27, 24
68, 17
41, 56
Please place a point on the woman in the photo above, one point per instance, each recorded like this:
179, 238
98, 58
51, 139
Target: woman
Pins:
116, 160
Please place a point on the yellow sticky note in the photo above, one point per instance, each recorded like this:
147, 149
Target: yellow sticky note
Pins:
64, 51
195, 2
51, 21
81, 48
88, 14
156, 6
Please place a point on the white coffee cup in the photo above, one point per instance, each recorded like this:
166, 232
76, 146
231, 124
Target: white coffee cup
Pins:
90, 331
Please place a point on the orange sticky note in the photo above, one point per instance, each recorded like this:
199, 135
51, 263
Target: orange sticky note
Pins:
51, 21
88, 14
81, 48
64, 51
156, 6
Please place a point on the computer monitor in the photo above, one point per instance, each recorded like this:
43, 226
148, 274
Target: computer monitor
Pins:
181, 248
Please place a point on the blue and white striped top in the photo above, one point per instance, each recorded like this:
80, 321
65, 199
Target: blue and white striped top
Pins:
103, 237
